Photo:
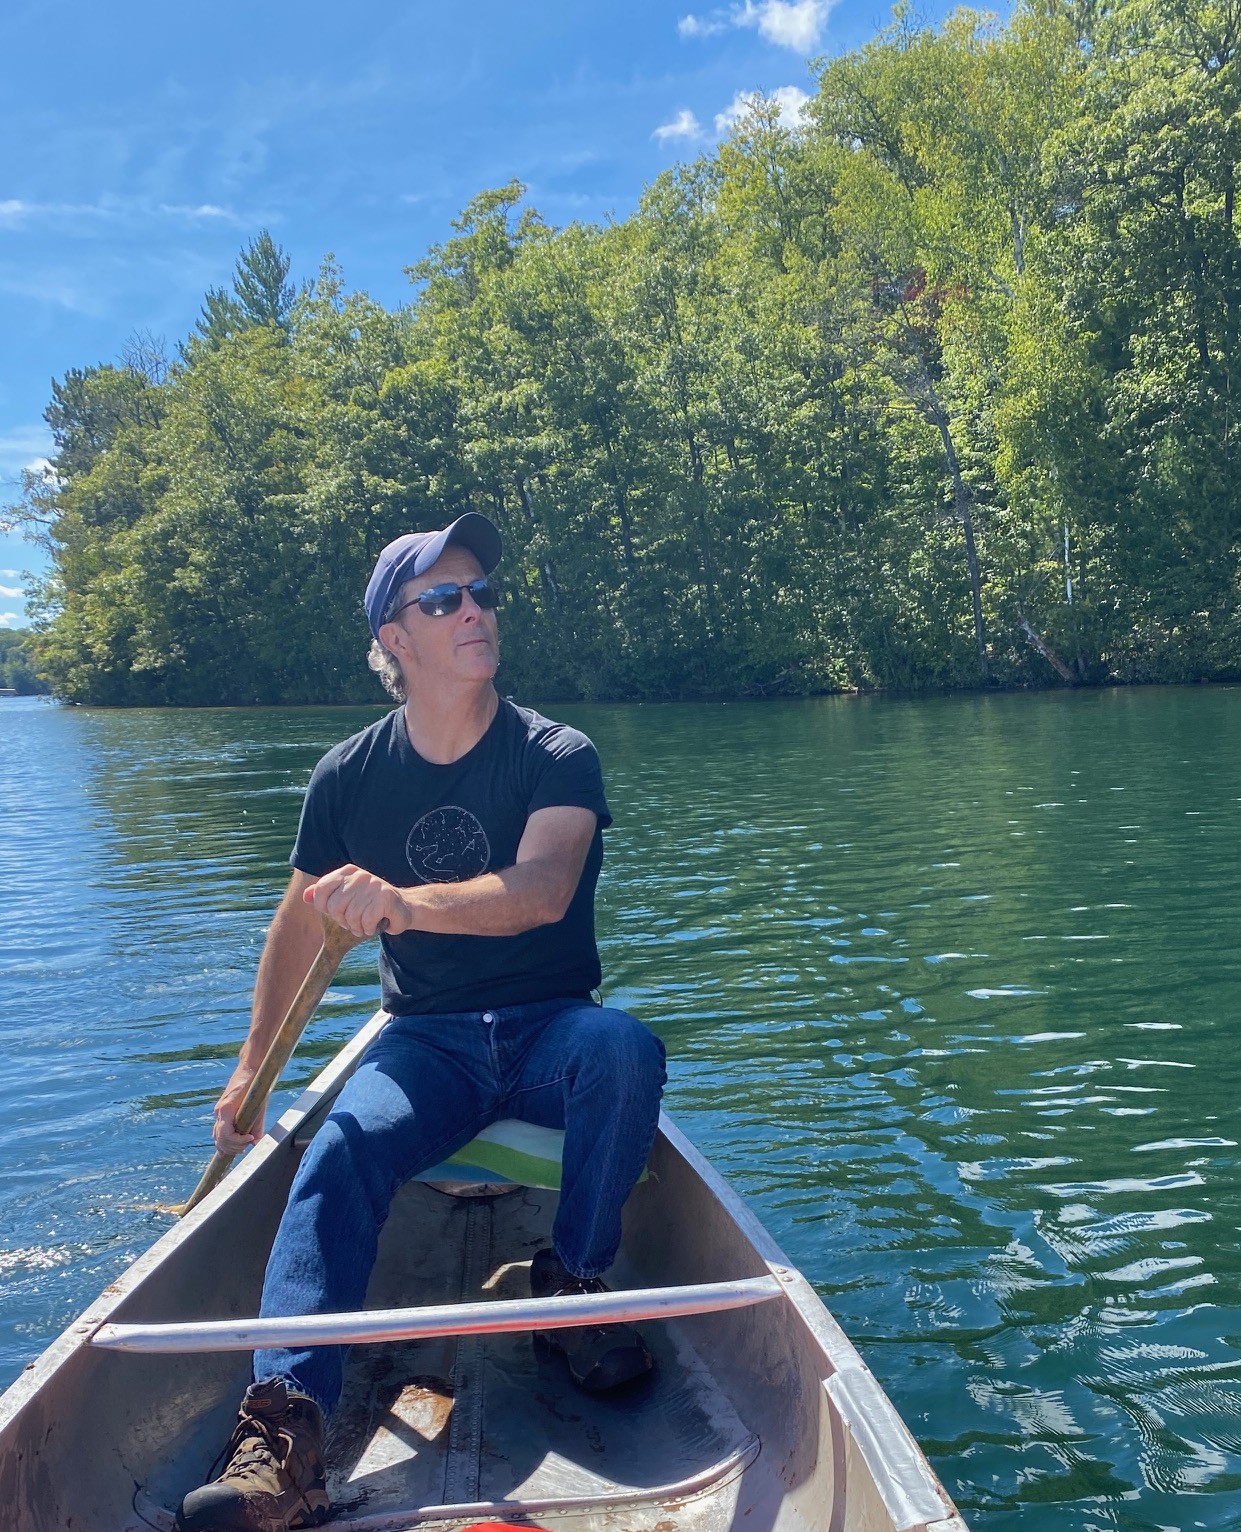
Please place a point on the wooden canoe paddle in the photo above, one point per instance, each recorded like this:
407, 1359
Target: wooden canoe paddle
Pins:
336, 943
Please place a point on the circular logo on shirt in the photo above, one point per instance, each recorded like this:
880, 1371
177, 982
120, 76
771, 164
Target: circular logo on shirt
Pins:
448, 845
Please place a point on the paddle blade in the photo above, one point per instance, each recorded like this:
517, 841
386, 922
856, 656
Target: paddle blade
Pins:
210, 1179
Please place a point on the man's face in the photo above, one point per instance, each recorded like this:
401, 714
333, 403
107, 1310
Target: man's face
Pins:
462, 646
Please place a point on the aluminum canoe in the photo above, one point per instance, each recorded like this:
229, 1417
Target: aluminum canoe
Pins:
761, 1415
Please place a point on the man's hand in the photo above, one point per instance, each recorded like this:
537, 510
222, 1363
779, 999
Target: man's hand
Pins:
360, 901
224, 1129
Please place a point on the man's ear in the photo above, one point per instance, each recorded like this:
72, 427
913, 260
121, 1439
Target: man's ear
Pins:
392, 637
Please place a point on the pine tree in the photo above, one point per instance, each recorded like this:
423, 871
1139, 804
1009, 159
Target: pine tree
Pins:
262, 294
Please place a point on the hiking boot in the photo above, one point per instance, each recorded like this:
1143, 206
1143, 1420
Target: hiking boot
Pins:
599, 1356
273, 1479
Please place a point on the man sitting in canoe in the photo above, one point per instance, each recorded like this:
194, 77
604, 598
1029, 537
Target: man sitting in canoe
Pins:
473, 828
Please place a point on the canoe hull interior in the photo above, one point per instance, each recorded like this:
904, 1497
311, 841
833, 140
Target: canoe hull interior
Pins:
762, 1416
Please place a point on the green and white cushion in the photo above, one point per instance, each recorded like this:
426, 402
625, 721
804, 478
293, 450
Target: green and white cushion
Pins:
507, 1151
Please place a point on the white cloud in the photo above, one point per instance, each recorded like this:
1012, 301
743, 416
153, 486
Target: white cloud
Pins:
683, 125
15, 213
50, 285
23, 447
42, 469
789, 99
10, 574
11, 593
794, 24
203, 210
741, 105
11, 619
21, 443
702, 26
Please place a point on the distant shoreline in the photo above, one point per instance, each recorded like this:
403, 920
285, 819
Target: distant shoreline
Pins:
889, 694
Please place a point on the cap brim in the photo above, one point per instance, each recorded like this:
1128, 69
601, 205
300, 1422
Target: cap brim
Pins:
472, 531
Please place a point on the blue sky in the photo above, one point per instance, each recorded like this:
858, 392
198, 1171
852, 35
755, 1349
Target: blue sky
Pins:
143, 144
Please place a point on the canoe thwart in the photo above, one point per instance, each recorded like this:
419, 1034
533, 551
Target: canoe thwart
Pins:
378, 1325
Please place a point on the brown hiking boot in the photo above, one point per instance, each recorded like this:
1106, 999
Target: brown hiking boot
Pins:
273, 1479
599, 1356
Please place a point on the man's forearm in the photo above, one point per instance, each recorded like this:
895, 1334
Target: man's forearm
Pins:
496, 904
535, 891
292, 942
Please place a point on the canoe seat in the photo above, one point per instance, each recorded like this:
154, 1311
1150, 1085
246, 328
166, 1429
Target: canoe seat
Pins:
508, 1151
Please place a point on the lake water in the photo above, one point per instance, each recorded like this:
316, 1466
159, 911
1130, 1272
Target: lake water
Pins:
950, 987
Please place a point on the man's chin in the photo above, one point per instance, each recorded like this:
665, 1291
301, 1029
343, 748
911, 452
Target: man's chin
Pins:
479, 663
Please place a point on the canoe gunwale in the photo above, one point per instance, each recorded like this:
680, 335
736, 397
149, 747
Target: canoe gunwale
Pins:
384, 1325
317, 1096
871, 1429
858, 1432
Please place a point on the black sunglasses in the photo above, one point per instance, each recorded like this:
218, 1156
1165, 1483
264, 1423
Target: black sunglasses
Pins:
443, 600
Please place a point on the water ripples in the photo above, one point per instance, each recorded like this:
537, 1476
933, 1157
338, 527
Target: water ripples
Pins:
950, 992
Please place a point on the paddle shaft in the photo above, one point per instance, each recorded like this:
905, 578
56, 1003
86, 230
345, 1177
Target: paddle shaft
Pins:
336, 942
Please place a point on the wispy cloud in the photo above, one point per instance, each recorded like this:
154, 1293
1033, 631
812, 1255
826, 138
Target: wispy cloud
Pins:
11, 593
790, 101
683, 126
794, 24
703, 26
11, 619
22, 447
54, 288
16, 213
20, 444
206, 210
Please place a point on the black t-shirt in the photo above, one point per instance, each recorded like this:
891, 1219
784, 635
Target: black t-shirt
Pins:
375, 802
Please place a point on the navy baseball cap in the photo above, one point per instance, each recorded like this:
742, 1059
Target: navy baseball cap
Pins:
413, 554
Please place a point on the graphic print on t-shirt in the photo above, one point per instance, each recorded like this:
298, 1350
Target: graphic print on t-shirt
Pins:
448, 845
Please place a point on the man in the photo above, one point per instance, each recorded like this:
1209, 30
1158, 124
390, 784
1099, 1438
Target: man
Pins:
473, 828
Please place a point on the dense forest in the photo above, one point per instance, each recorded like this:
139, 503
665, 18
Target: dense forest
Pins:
17, 664
932, 387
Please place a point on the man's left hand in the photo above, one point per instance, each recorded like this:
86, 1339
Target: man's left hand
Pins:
360, 901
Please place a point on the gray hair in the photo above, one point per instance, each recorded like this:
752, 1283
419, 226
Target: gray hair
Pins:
382, 661
387, 668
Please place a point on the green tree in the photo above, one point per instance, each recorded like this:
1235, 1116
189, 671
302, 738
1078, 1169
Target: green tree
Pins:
18, 668
261, 295
933, 388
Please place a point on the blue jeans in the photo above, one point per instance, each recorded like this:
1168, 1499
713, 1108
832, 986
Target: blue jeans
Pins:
422, 1090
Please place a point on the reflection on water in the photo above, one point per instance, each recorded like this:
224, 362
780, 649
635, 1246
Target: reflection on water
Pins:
949, 988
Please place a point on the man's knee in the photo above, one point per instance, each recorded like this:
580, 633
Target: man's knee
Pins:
626, 1050
343, 1159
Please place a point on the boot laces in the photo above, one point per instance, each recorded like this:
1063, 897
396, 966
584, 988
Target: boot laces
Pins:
576, 1287
255, 1443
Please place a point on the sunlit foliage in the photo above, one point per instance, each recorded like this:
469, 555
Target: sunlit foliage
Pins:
935, 390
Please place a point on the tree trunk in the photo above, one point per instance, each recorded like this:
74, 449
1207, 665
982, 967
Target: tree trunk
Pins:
925, 396
626, 527
704, 534
1038, 642
961, 504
